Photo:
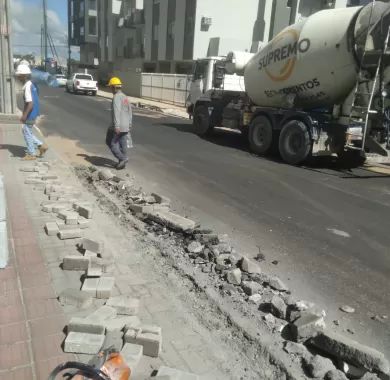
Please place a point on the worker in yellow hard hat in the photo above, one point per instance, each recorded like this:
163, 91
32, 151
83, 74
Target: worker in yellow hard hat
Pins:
118, 136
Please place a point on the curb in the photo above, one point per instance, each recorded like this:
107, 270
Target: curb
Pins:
4, 254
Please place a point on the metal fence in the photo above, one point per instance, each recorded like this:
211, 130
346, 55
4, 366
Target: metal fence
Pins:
166, 88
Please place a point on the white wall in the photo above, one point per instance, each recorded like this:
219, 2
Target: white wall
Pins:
233, 21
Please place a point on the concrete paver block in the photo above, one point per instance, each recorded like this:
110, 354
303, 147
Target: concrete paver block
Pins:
94, 271
47, 209
72, 219
125, 305
174, 374
113, 340
82, 343
132, 354
105, 286
51, 228
65, 227
73, 262
102, 314
90, 286
93, 245
83, 223
70, 234
84, 325
85, 211
122, 323
90, 254
76, 298
150, 341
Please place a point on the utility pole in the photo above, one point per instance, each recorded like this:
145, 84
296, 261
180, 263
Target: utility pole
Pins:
7, 81
45, 34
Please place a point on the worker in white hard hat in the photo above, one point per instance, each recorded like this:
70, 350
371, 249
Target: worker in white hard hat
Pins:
30, 114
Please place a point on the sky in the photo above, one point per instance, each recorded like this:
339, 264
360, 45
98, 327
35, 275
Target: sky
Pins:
27, 18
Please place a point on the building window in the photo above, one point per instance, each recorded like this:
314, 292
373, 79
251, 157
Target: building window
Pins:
171, 30
82, 30
72, 30
92, 25
71, 10
82, 9
92, 5
156, 30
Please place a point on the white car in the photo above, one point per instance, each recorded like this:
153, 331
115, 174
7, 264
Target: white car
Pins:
61, 80
81, 83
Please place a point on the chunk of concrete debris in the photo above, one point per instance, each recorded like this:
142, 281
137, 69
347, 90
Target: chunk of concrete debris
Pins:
132, 354
251, 287
105, 174
303, 305
51, 228
124, 305
171, 220
255, 299
150, 339
225, 261
347, 309
90, 286
93, 245
351, 351
298, 349
249, 266
75, 297
195, 247
171, 373
113, 341
209, 239
122, 323
277, 284
83, 223
84, 325
82, 343
161, 199
278, 307
335, 374
70, 234
306, 327
77, 263
234, 276
318, 366
269, 320
370, 376
27, 169
104, 288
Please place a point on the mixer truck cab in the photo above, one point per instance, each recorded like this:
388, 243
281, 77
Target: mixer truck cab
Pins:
318, 88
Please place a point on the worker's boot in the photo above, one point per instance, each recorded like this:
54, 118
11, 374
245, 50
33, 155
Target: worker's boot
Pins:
121, 165
42, 150
29, 157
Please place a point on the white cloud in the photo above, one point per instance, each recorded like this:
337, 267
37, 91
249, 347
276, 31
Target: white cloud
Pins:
27, 20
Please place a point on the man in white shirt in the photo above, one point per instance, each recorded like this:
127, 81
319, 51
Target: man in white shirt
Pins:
30, 114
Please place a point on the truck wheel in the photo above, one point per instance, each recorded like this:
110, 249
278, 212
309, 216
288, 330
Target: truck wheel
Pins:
260, 135
294, 142
201, 121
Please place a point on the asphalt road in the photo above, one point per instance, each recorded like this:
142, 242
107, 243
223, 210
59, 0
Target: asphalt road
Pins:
328, 228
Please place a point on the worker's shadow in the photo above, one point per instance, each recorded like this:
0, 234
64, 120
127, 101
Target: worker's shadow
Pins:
99, 161
15, 150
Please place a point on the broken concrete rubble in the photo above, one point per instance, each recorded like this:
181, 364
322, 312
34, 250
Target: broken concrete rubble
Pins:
234, 276
318, 367
249, 266
82, 343
306, 327
278, 307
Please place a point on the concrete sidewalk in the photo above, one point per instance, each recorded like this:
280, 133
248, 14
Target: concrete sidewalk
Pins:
32, 321
168, 109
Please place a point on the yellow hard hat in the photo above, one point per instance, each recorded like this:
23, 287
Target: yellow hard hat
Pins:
115, 81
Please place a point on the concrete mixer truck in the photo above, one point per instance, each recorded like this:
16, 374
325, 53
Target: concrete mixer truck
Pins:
320, 87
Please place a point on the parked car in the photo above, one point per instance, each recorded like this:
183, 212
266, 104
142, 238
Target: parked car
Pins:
61, 80
81, 83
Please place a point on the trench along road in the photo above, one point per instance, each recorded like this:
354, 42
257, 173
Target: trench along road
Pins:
326, 229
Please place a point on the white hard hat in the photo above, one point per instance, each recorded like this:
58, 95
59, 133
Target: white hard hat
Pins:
23, 70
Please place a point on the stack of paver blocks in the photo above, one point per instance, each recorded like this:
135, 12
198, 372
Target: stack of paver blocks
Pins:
116, 327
